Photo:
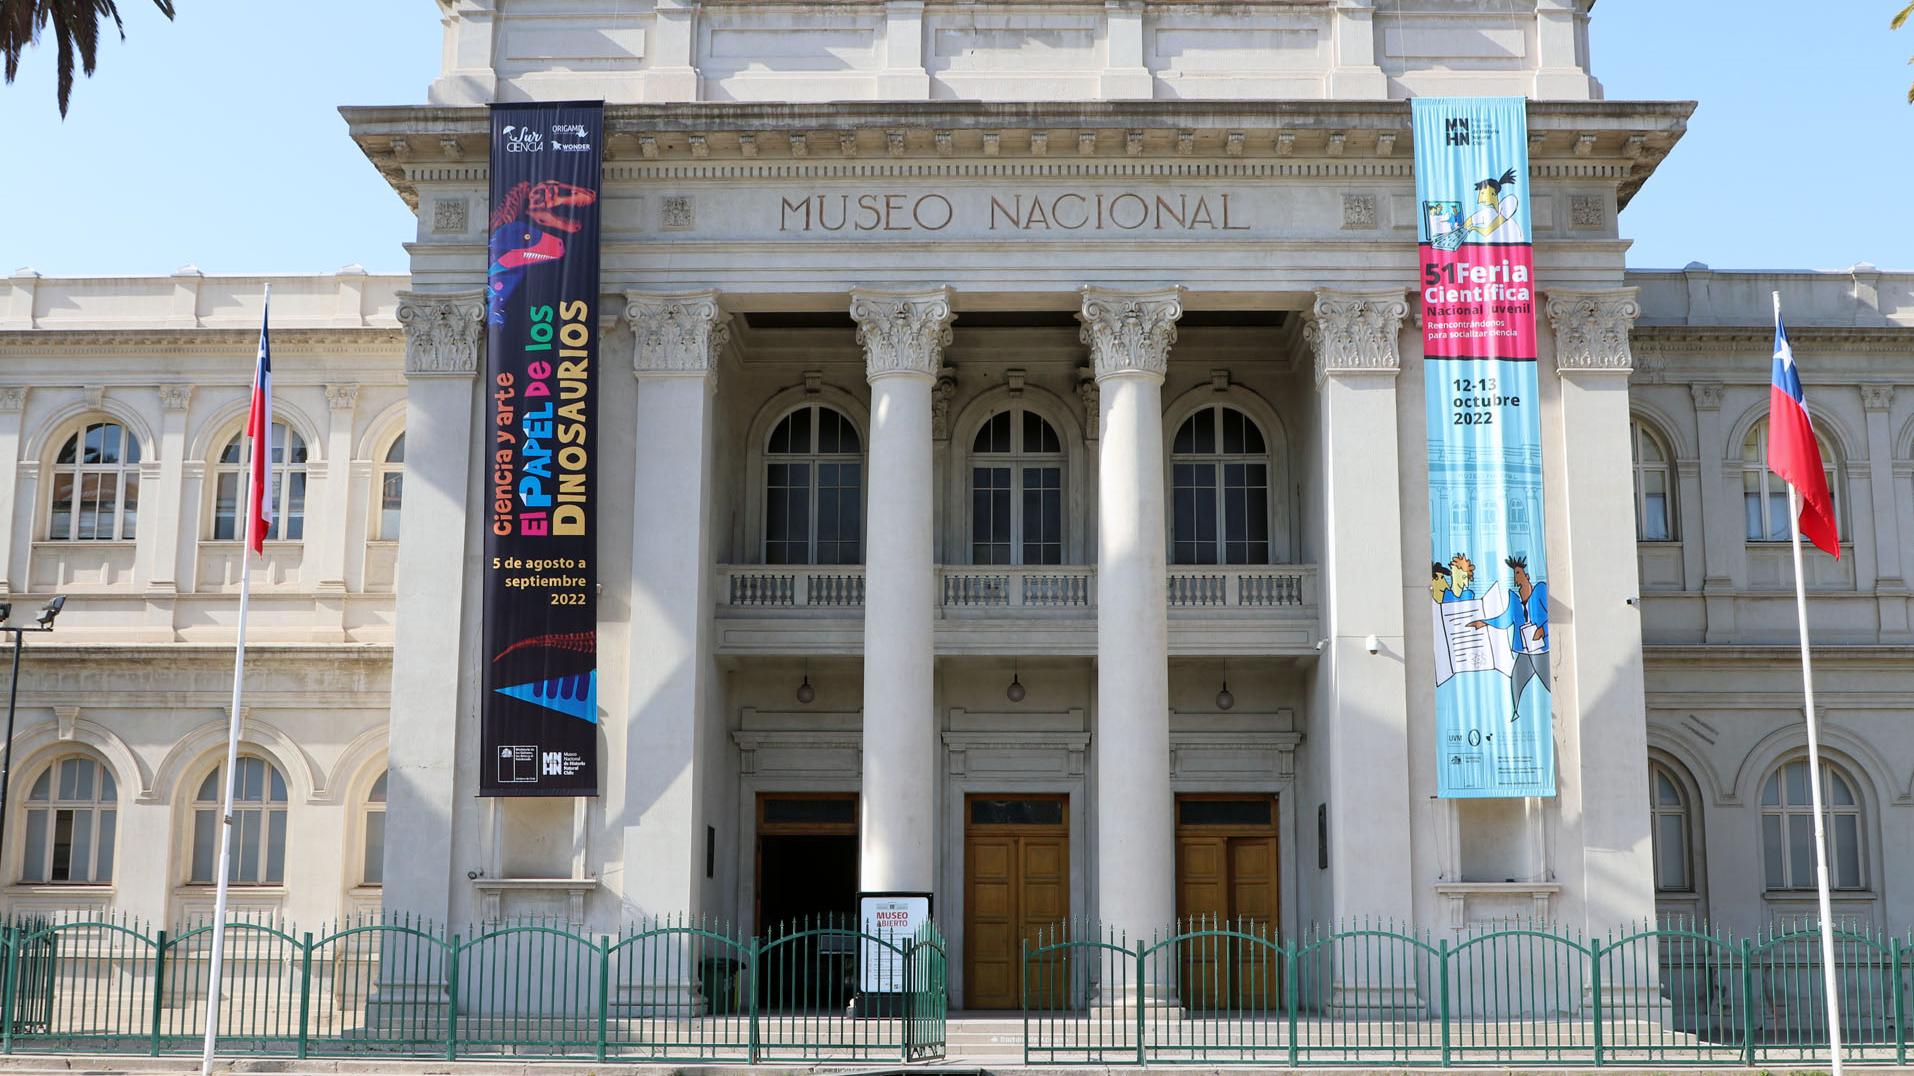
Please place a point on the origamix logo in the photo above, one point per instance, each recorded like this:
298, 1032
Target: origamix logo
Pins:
522, 139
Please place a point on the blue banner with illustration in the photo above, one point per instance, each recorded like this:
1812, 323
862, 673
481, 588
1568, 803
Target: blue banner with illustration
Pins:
1488, 572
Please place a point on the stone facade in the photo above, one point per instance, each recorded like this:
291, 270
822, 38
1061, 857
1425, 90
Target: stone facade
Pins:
1047, 285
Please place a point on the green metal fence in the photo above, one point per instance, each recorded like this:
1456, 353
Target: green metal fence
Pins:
678, 989
1214, 992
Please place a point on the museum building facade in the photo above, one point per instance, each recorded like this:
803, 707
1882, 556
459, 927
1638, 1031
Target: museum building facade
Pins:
1020, 495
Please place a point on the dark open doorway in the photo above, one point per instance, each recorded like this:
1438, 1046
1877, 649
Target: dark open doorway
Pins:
807, 898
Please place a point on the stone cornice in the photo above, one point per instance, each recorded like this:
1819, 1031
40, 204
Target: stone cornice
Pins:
442, 333
902, 332
372, 338
1591, 329
1355, 332
1129, 332
676, 333
1625, 139
1676, 339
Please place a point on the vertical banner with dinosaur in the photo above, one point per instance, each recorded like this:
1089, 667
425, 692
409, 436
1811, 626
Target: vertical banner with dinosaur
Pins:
1488, 574
539, 708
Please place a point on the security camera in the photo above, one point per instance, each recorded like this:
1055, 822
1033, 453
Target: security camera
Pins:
1322, 644
1372, 644
1630, 601
472, 875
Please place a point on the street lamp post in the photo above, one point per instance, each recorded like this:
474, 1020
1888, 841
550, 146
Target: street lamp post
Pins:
43, 622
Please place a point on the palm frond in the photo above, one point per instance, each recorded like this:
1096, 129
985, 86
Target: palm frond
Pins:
76, 34
1901, 18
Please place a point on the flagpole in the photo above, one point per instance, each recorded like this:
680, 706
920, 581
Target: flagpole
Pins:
232, 747
1830, 977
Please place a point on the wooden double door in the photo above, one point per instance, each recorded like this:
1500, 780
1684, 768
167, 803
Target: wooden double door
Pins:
1226, 880
1016, 887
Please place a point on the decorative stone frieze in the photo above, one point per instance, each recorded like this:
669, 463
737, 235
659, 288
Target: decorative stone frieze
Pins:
175, 397
13, 398
1354, 332
676, 332
902, 332
1092, 402
442, 333
940, 396
1591, 329
342, 397
1129, 332
1358, 211
1877, 397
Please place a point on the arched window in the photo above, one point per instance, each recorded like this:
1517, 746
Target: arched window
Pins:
1016, 491
373, 870
96, 486
814, 489
1787, 828
1219, 489
288, 486
72, 809
1654, 497
390, 482
1672, 835
1766, 496
259, 826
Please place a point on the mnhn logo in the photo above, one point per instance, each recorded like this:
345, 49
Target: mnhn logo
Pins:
554, 763
1457, 132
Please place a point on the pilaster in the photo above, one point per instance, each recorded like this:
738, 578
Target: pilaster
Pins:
904, 334
1354, 73
1606, 793
1890, 581
671, 71
1362, 694
903, 77
1720, 532
1560, 26
678, 339
1124, 75
1129, 334
431, 632
162, 501
13, 399
468, 77
23, 285
342, 401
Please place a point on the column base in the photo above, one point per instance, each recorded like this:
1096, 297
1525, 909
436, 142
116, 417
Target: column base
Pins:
1157, 1000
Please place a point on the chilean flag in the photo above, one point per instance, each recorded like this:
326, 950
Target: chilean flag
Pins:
1792, 450
259, 496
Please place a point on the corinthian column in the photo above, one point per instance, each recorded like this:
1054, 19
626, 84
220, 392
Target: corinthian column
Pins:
1604, 777
678, 339
1129, 334
442, 335
1360, 714
904, 334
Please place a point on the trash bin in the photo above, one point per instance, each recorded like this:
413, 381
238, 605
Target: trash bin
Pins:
719, 984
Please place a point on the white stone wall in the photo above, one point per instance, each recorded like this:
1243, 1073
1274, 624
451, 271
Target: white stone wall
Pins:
901, 50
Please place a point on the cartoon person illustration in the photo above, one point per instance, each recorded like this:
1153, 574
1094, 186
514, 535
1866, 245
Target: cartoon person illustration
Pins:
1496, 213
1527, 620
1461, 579
1438, 581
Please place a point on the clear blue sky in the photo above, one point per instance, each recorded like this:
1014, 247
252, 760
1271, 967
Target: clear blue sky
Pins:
215, 140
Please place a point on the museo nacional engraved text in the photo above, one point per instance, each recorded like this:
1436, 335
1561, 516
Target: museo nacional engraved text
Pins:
1067, 211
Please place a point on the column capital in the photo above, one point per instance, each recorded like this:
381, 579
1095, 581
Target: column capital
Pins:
1877, 397
1354, 332
676, 333
342, 397
13, 398
442, 332
175, 397
1129, 332
1707, 395
1591, 329
902, 332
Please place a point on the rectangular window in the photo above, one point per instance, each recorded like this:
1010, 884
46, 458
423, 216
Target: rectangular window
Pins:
291, 524
1654, 521
390, 492
990, 515
205, 840
1246, 513
1043, 515
226, 507
808, 811
1846, 850
375, 848
787, 527
1223, 812
1016, 812
35, 868
1671, 853
839, 513
103, 870
1193, 500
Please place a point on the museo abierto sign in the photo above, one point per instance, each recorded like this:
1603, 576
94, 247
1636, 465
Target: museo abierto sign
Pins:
1488, 573
539, 707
